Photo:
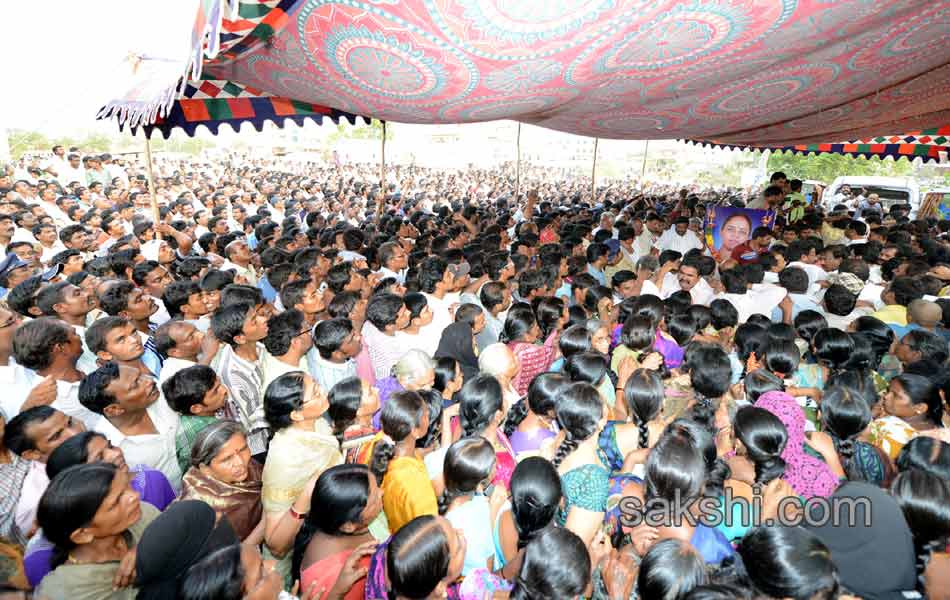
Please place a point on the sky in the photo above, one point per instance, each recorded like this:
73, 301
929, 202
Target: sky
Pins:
69, 57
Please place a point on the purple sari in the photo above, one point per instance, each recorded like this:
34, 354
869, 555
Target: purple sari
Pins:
386, 387
152, 486
377, 587
672, 353
529, 442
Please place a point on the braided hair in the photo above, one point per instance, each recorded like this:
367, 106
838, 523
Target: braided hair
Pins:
403, 412
479, 401
556, 565
764, 436
535, 497
844, 415
924, 498
468, 463
579, 412
643, 394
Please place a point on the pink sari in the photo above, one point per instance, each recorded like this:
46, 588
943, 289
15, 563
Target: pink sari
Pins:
809, 476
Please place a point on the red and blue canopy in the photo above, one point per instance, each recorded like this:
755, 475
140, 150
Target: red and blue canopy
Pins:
791, 74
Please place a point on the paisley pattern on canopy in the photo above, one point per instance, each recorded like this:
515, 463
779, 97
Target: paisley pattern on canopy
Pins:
765, 73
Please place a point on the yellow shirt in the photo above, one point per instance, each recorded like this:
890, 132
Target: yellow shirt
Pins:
407, 492
892, 314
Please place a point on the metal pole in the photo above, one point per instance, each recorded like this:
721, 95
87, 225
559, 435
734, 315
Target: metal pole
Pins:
593, 174
382, 162
643, 168
151, 183
518, 164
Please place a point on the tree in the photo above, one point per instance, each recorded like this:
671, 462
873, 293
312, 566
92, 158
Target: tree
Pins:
825, 167
24, 141
373, 131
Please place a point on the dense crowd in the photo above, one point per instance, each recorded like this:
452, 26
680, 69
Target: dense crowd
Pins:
290, 380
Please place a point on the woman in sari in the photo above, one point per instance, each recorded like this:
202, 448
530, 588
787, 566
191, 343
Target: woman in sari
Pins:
86, 448
346, 501
808, 476
94, 519
302, 448
530, 422
353, 402
844, 416
522, 335
423, 559
224, 475
481, 413
911, 404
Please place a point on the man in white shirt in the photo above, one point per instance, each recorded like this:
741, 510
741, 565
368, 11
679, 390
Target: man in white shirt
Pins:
394, 262
689, 280
749, 299
45, 370
679, 238
57, 165
804, 255
73, 171
137, 419
385, 315
437, 281
606, 224
180, 342
645, 242
239, 260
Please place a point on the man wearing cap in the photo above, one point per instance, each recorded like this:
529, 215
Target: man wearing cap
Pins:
679, 238
13, 271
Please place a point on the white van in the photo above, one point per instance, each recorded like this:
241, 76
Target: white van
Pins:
891, 190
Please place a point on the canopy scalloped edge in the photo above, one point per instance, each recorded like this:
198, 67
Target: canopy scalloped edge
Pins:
205, 42
235, 124
866, 148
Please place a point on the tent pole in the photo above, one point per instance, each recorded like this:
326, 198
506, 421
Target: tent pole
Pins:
643, 168
518, 164
151, 183
593, 174
382, 162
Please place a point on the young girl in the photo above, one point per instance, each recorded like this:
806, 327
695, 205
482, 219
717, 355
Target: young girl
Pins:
469, 466
397, 464
530, 421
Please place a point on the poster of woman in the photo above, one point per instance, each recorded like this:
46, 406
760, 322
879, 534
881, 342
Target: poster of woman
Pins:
727, 227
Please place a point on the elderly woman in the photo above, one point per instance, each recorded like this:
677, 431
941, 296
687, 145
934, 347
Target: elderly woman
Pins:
413, 372
501, 363
224, 475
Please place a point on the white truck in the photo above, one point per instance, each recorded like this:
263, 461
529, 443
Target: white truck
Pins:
891, 190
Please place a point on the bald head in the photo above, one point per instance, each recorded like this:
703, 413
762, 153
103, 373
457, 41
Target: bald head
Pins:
925, 313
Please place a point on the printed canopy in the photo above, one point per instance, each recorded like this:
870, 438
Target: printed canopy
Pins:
763, 73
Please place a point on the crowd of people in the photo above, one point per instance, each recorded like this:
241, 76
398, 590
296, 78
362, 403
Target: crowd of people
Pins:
290, 380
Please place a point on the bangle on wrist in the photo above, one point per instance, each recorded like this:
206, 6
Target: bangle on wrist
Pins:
296, 515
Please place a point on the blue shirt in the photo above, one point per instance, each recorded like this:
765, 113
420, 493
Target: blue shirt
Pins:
600, 276
270, 294
800, 302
